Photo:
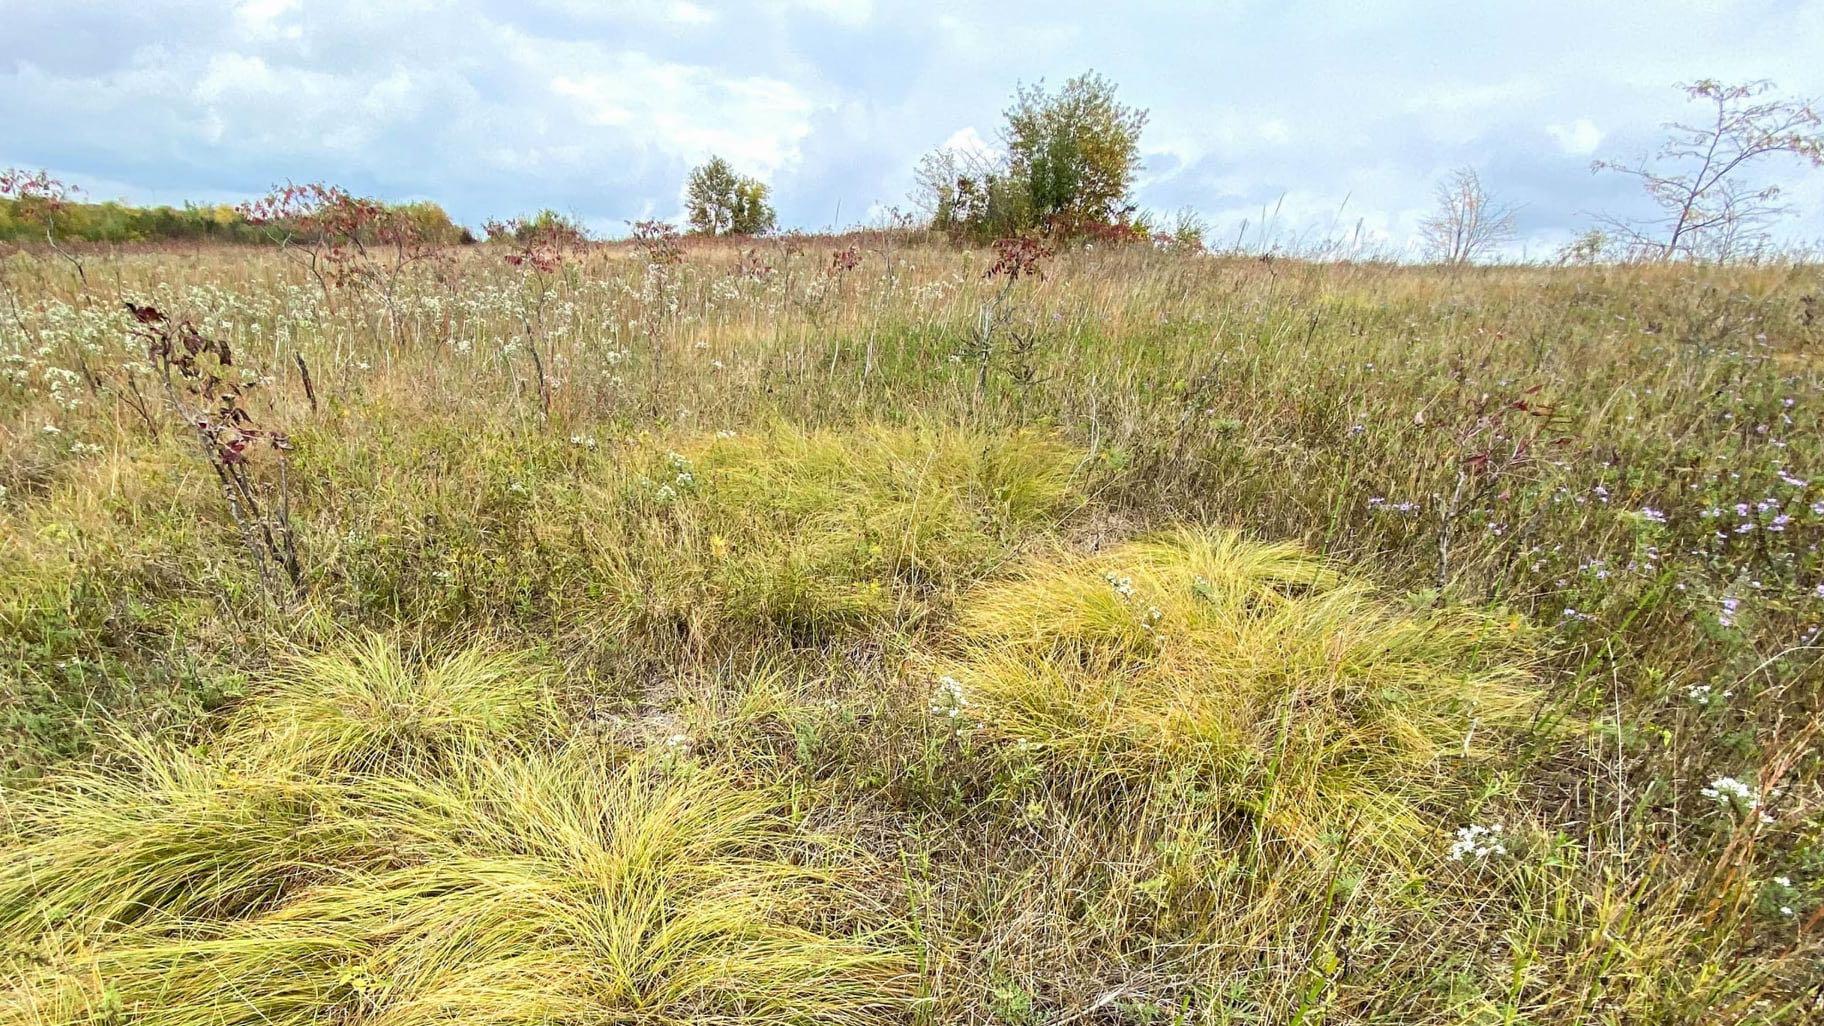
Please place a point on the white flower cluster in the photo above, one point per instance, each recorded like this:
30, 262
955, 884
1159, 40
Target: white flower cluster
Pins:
1707, 695
1124, 590
1729, 789
1478, 842
62, 382
1737, 795
1785, 893
1733, 791
947, 700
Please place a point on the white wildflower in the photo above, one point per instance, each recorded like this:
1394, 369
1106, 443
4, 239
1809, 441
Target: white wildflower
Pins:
947, 700
1738, 795
1478, 842
1705, 694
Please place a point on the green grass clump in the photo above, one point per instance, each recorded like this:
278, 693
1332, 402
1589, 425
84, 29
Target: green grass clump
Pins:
497, 883
1257, 670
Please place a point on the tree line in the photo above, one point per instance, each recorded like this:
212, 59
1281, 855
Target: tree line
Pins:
1066, 169
27, 218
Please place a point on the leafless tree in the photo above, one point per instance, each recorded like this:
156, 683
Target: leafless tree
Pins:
946, 179
1697, 179
1468, 221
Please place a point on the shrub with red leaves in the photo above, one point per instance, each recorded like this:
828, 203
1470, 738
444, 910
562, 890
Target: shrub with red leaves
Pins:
845, 259
37, 193
38, 198
542, 244
205, 395
660, 241
1018, 257
350, 240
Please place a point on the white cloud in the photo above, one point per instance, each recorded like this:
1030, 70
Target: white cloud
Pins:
676, 12
967, 142
1580, 137
597, 107
242, 100
1456, 97
260, 19
850, 12
690, 112
685, 13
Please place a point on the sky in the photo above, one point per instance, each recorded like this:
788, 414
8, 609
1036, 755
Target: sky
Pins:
1332, 117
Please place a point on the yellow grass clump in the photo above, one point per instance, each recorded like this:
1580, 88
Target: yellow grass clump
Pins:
816, 531
494, 884
1267, 675
369, 707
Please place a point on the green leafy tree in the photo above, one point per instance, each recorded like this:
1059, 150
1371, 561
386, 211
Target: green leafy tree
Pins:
721, 202
753, 214
1077, 150
1069, 166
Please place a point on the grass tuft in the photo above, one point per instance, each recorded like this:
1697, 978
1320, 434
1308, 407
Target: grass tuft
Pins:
1291, 690
862, 525
371, 707
165, 834
511, 885
813, 534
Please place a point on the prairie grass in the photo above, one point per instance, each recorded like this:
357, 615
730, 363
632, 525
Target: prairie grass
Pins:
489, 885
369, 708
175, 835
1267, 676
870, 525
1483, 686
